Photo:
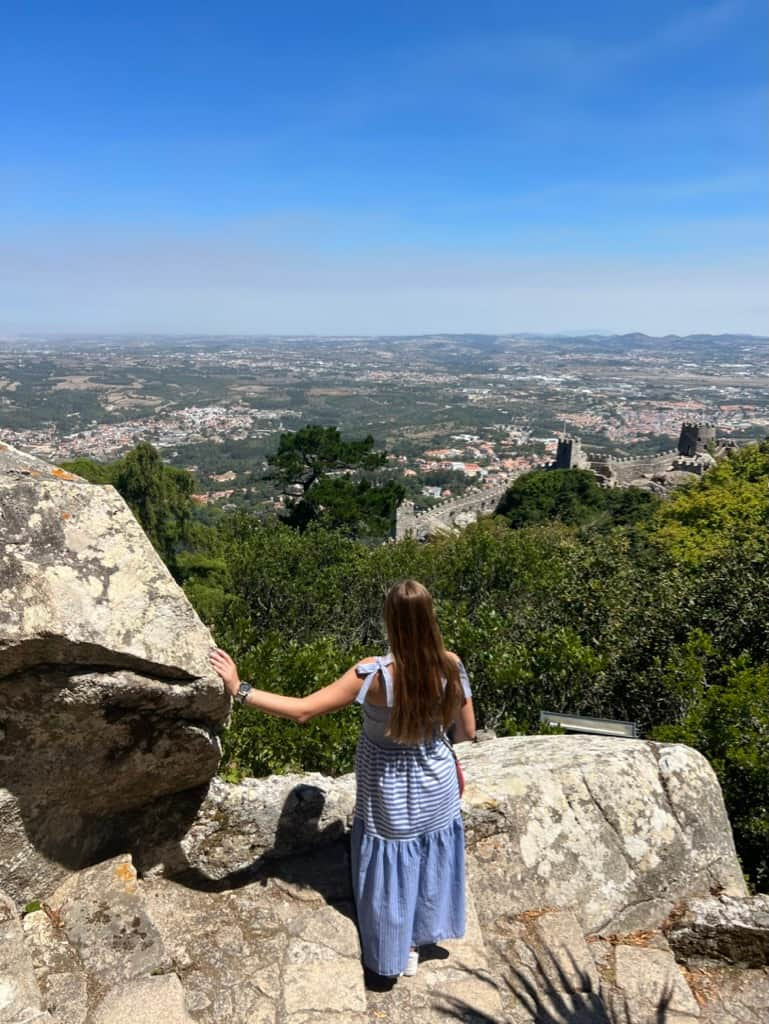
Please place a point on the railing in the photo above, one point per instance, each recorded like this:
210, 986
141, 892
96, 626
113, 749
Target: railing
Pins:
593, 726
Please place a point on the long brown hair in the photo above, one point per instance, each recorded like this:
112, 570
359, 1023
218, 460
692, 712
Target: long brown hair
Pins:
421, 701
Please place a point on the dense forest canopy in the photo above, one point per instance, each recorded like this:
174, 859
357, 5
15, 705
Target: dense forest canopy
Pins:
571, 599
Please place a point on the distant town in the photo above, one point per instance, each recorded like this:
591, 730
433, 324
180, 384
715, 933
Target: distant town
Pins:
452, 411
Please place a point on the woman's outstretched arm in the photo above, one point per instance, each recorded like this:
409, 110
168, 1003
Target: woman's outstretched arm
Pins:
299, 709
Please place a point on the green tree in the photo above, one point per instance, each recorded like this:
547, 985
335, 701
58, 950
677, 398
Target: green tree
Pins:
629, 505
304, 456
732, 598
728, 505
158, 495
571, 496
729, 724
358, 508
311, 460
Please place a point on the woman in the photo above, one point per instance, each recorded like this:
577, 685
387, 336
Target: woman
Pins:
407, 840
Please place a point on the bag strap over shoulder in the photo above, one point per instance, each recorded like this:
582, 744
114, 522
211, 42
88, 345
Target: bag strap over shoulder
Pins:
457, 765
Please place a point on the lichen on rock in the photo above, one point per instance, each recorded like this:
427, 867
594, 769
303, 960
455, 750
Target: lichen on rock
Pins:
107, 700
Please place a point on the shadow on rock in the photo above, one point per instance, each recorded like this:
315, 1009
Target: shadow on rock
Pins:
302, 854
553, 994
374, 982
79, 749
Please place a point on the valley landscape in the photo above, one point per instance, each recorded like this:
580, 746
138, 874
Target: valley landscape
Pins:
451, 410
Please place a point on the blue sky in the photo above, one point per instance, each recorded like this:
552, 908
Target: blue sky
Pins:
404, 167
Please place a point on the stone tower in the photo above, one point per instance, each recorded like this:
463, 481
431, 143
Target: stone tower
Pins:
405, 520
569, 454
695, 438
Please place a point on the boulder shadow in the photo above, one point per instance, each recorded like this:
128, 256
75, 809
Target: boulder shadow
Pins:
302, 854
68, 769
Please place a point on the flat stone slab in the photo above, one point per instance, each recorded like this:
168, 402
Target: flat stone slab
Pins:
722, 929
548, 970
20, 997
60, 972
270, 950
103, 917
158, 1000
652, 985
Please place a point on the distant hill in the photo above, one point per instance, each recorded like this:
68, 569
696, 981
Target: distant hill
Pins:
478, 342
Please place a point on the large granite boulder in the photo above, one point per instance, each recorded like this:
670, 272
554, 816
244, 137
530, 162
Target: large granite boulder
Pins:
80, 584
618, 830
106, 697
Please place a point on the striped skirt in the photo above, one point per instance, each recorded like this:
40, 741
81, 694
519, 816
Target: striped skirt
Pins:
408, 852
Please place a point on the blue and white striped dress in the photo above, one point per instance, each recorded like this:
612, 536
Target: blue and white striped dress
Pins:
408, 849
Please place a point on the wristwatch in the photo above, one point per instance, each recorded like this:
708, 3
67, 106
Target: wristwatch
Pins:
243, 691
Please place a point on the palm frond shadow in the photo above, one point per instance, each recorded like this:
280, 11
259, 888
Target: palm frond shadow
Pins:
551, 994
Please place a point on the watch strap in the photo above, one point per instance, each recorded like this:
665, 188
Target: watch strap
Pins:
243, 691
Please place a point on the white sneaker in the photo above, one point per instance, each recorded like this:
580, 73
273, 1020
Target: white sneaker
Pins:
411, 966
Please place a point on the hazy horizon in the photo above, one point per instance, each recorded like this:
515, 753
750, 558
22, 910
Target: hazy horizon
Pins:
194, 336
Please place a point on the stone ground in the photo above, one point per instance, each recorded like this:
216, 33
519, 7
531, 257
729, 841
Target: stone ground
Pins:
113, 949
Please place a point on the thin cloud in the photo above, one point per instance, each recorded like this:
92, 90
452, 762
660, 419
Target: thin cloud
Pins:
230, 283
478, 57
602, 193
701, 23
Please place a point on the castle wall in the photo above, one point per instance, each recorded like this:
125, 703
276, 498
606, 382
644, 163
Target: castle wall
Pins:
455, 512
448, 514
623, 471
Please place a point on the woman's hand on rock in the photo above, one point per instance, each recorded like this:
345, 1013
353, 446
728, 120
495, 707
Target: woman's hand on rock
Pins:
224, 666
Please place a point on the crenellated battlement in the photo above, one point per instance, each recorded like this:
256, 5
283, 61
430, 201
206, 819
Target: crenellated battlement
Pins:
472, 498
640, 459
422, 523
